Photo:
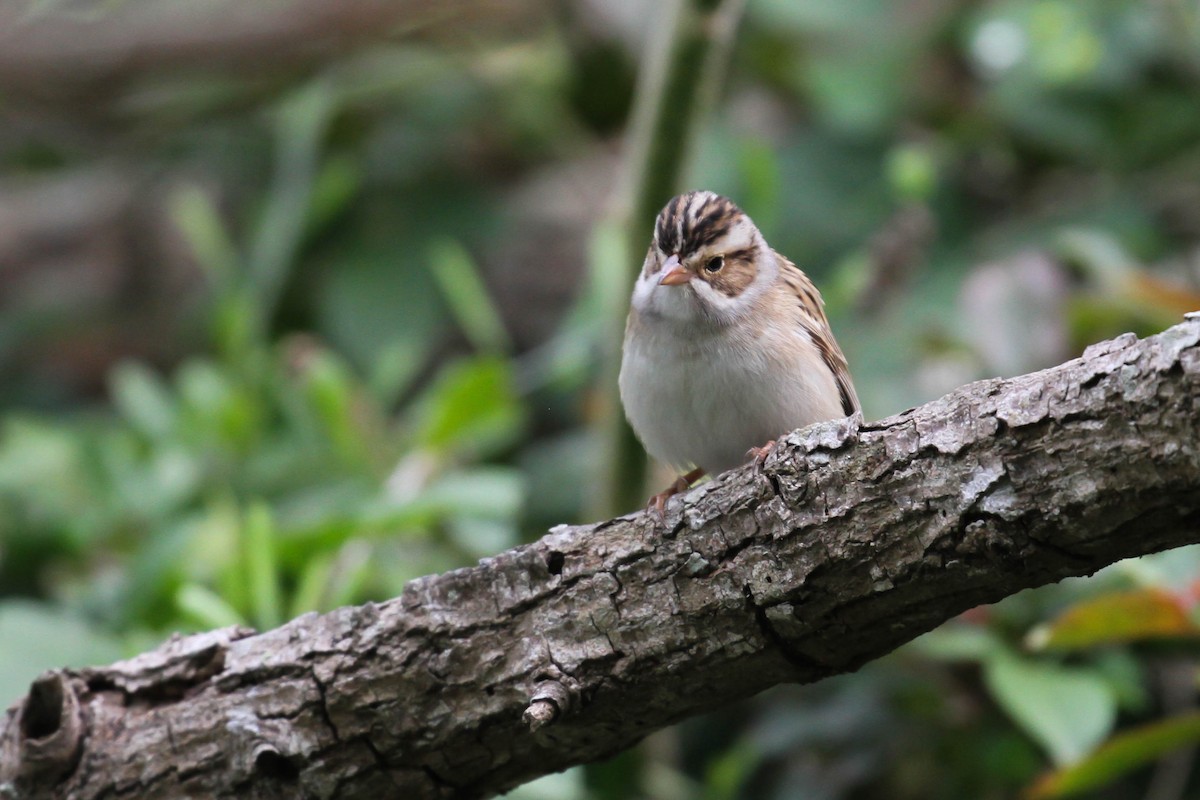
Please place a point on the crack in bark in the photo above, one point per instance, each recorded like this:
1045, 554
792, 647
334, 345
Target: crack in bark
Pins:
169, 684
380, 759
323, 705
437, 780
802, 663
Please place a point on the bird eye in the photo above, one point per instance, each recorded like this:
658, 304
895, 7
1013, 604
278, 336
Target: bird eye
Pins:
714, 264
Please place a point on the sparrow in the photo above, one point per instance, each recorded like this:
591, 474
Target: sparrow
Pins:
727, 346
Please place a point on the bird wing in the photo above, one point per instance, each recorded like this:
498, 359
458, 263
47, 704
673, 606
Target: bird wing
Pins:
814, 322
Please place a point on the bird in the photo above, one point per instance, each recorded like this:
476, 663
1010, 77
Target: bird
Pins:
727, 346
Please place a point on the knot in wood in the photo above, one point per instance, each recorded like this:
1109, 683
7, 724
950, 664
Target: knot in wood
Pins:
51, 730
550, 700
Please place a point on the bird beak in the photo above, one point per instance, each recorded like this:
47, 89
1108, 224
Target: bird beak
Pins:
674, 273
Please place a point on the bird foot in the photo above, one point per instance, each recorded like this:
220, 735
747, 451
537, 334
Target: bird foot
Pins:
684, 482
759, 454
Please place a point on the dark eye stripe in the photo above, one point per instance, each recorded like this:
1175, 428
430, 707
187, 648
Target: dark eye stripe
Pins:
745, 254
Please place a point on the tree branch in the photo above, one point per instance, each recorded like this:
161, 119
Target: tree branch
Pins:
67, 57
853, 539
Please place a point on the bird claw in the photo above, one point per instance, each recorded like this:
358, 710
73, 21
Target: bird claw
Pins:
684, 482
759, 454
659, 501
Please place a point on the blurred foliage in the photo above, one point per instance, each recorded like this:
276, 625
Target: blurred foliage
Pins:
339, 325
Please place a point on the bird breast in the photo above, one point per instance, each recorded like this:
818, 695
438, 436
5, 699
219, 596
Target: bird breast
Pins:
706, 398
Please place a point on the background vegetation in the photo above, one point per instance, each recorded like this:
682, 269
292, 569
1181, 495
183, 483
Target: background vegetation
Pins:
298, 302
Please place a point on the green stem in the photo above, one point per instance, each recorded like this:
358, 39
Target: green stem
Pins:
677, 86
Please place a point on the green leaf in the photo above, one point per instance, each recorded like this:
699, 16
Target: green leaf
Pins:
729, 772
479, 536
1123, 672
338, 182
352, 569
205, 608
330, 388
1116, 618
213, 552
1068, 711
396, 365
300, 123
377, 295
1065, 47
324, 520
473, 405
468, 298
262, 573
568, 785
912, 172
489, 492
43, 474
958, 641
1118, 756
216, 407
237, 326
311, 589
143, 398
202, 227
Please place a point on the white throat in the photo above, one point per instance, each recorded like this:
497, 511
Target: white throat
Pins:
697, 301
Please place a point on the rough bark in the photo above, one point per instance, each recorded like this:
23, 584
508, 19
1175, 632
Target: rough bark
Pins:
853, 539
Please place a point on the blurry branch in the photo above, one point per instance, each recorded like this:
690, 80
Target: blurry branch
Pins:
67, 55
89, 255
852, 540
896, 251
678, 81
